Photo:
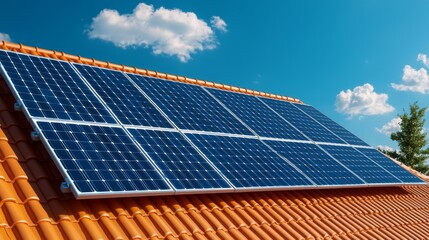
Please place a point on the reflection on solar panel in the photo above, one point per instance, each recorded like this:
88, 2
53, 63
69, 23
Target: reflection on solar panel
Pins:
126, 101
365, 168
302, 122
247, 162
189, 106
315, 163
117, 134
331, 125
101, 160
182, 165
256, 115
52, 89
389, 165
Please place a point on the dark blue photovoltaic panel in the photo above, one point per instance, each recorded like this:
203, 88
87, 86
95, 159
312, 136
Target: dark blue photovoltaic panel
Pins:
120, 95
256, 115
366, 169
181, 164
101, 159
52, 89
248, 163
189, 106
302, 122
390, 165
315, 163
331, 125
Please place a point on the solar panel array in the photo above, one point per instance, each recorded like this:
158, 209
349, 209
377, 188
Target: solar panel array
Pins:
113, 134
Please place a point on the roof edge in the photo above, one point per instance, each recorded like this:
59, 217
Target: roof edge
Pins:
18, 47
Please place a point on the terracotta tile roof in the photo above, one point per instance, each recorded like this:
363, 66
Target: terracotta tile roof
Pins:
32, 206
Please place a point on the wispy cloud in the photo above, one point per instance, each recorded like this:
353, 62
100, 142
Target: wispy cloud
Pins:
423, 58
218, 23
166, 31
362, 100
392, 126
4, 37
414, 80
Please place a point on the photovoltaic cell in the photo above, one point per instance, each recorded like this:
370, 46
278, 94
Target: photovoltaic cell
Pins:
120, 95
189, 106
180, 162
365, 168
101, 159
256, 115
52, 89
390, 165
331, 125
302, 122
248, 163
315, 163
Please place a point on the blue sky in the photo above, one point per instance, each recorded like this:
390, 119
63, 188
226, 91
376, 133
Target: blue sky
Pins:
312, 50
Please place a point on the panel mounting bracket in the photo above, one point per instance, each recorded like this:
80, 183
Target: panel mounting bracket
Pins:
17, 107
35, 136
65, 187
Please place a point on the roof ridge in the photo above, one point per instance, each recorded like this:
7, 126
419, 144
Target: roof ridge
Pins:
18, 47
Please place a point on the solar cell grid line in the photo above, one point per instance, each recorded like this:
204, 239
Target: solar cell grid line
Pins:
334, 127
255, 114
180, 162
308, 126
51, 89
390, 165
248, 163
101, 161
315, 163
365, 168
189, 106
128, 104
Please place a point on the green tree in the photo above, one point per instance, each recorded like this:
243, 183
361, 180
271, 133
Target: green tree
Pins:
412, 140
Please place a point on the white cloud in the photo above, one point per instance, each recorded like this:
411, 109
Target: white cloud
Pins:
218, 23
362, 100
5, 37
166, 31
387, 148
423, 58
392, 126
413, 80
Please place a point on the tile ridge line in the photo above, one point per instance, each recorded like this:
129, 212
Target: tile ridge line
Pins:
18, 47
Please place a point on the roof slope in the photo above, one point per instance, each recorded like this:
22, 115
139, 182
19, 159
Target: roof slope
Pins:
32, 207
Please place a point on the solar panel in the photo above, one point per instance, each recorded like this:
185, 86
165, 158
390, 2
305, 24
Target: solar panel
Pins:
180, 162
101, 160
302, 121
175, 137
315, 163
390, 165
248, 163
125, 100
365, 168
331, 125
189, 106
256, 115
52, 89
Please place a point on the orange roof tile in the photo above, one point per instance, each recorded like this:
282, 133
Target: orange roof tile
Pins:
33, 207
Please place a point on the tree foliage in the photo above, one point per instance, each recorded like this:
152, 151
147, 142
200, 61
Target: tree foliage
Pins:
412, 139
